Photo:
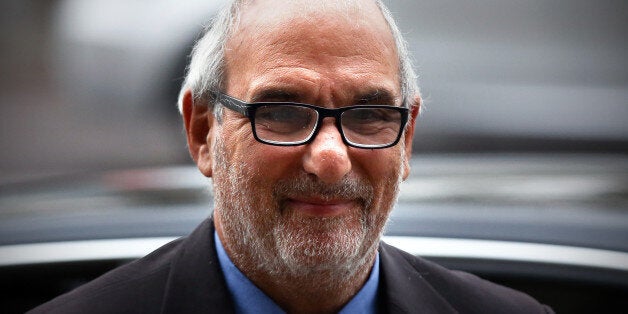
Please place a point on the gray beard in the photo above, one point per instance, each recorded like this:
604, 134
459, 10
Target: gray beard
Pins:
263, 236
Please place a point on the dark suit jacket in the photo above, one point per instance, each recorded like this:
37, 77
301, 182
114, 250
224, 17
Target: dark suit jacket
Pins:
184, 277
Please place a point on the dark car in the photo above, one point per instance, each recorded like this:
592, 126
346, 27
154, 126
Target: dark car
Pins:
553, 226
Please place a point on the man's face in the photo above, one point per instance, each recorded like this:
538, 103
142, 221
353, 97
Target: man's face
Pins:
320, 206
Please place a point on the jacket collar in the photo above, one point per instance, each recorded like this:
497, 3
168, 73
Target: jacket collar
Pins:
403, 286
195, 283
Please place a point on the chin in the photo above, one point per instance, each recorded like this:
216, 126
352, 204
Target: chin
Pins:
330, 247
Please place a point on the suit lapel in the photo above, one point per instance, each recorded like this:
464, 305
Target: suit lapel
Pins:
404, 288
196, 283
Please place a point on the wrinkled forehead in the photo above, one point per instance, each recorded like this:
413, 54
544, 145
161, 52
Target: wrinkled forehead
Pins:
335, 43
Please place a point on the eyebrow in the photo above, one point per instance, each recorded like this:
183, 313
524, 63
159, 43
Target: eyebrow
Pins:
279, 95
375, 97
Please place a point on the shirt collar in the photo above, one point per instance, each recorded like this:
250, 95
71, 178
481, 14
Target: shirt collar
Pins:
248, 298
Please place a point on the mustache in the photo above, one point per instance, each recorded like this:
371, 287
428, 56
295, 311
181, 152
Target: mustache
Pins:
309, 186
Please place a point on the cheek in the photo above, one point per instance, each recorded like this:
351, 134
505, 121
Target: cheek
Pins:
383, 169
243, 148
379, 165
265, 164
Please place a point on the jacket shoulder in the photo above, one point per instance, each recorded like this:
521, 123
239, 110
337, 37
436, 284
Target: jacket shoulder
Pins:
137, 287
462, 292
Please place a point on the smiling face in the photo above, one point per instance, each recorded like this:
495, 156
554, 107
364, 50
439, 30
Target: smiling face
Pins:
315, 207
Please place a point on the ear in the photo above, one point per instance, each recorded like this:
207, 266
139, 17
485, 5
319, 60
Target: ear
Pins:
198, 123
409, 134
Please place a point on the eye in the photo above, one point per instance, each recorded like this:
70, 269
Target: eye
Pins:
283, 114
370, 115
284, 119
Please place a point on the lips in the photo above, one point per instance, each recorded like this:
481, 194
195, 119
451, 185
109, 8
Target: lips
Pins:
318, 207
306, 196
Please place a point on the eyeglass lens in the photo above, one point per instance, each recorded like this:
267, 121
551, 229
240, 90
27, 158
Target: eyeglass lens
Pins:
285, 123
371, 126
361, 126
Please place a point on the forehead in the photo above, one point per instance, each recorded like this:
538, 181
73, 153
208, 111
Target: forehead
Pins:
347, 41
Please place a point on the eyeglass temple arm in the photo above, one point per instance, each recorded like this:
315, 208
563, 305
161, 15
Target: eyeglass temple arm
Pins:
232, 103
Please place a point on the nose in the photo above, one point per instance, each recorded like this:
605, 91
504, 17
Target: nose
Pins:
326, 156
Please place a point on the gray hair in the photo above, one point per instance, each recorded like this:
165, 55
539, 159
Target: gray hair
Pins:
206, 71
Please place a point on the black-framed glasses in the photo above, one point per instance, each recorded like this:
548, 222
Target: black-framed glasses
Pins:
291, 124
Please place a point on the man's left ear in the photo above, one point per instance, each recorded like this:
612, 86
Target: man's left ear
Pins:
409, 134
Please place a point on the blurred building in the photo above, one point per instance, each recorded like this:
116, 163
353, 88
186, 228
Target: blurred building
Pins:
92, 84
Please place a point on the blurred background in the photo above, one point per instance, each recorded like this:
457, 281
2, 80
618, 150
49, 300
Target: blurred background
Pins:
92, 84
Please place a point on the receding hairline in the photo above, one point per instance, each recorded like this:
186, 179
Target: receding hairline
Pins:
351, 10
263, 21
205, 71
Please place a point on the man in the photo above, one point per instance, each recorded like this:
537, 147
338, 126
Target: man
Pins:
302, 113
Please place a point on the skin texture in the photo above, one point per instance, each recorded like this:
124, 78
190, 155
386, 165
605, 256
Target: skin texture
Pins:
303, 223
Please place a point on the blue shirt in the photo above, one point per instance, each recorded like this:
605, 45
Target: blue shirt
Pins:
249, 298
